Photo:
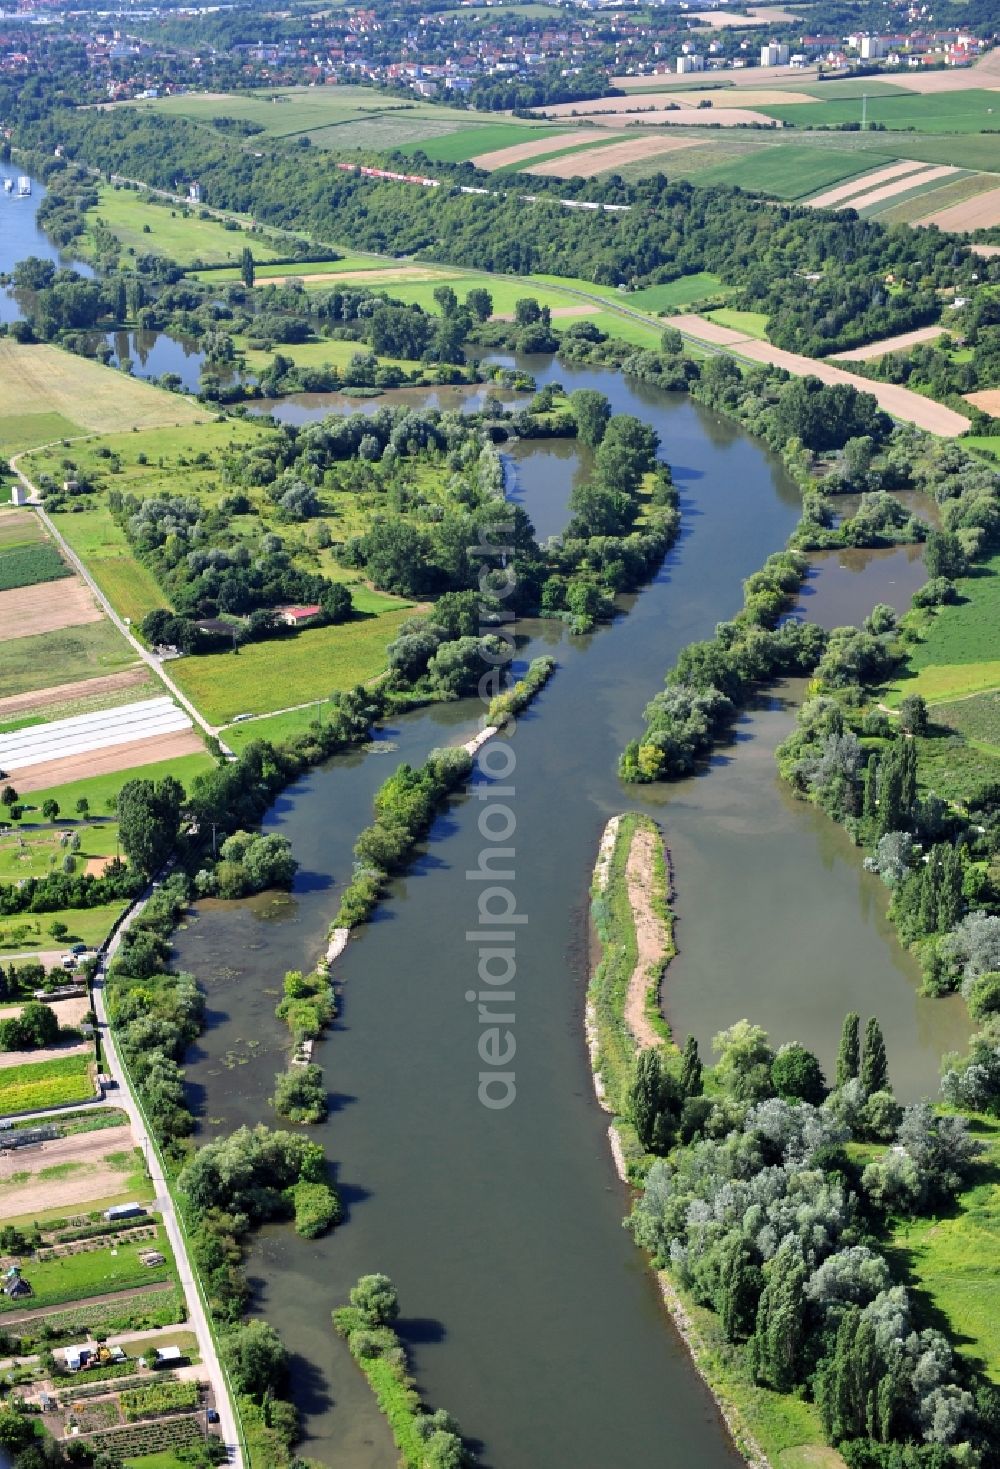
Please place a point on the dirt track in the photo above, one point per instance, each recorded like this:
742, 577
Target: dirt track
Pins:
47, 607
94, 1179
651, 938
108, 683
116, 757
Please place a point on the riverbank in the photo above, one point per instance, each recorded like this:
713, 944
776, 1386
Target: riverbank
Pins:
631, 891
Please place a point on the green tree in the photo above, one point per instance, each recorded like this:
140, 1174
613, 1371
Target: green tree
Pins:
653, 1101
875, 1065
376, 1298
479, 303
9, 796
592, 413
739, 1287
446, 300
247, 271
82, 808
50, 809
256, 1359
692, 1083
779, 1335
797, 1075
913, 714
849, 1055
149, 819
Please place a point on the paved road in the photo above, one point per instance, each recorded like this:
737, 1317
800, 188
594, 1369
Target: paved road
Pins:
150, 659
124, 1098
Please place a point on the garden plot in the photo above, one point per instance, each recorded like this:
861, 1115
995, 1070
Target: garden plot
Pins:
66, 738
66, 1171
47, 607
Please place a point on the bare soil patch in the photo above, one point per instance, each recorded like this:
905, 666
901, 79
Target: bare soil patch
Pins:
17, 704
616, 111
597, 160
651, 937
502, 157
980, 213
68, 1012
892, 344
829, 197
988, 399
47, 607
102, 762
96, 865
94, 1179
721, 20
986, 251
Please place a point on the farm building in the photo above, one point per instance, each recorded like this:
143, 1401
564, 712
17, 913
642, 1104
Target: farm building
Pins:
297, 616
123, 1211
168, 1356
18, 495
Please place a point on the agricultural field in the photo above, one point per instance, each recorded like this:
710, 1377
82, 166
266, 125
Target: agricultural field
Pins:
970, 111
789, 170
101, 544
101, 790
69, 1172
26, 566
45, 659
30, 1087
485, 137
148, 227
43, 384
34, 751
274, 675
959, 652
976, 717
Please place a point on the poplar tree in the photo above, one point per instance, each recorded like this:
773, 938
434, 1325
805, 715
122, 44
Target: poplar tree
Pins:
248, 272
776, 1346
849, 1055
692, 1084
739, 1287
652, 1102
875, 1066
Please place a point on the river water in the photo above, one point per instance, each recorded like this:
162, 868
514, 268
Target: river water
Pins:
528, 1312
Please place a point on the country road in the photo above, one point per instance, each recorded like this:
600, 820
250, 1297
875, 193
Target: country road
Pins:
125, 1099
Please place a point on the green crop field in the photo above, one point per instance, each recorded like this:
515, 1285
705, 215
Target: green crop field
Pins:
457, 147
29, 1088
101, 790
27, 566
100, 543
922, 202
44, 386
791, 170
147, 227
94, 1272
50, 658
751, 323
959, 652
274, 675
937, 112
289, 110
666, 297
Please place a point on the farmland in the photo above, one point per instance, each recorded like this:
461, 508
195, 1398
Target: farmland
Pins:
273, 675
40, 381
30, 1087
94, 1272
101, 544
969, 111
976, 717
39, 661
959, 652
25, 566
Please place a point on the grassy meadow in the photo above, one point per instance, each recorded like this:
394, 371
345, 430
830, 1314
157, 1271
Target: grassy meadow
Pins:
102, 790
50, 658
959, 652
147, 226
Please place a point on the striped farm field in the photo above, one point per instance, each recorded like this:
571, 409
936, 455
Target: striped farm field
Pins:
589, 162
99, 730
521, 152
980, 213
830, 198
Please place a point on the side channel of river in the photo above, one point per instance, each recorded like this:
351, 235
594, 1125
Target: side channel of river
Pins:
528, 1311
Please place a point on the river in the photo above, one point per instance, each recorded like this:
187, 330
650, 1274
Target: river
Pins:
21, 235
528, 1312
